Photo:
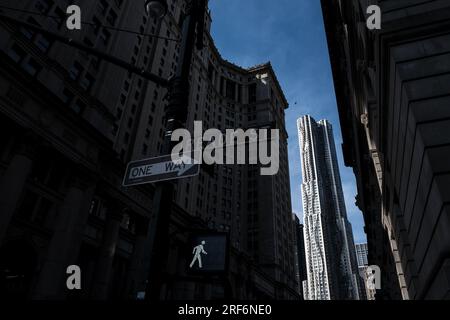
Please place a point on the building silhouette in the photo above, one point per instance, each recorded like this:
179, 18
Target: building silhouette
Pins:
330, 256
71, 122
301, 256
393, 96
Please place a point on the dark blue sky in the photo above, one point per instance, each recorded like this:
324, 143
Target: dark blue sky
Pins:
290, 34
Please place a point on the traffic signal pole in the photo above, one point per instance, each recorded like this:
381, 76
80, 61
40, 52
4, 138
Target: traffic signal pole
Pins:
176, 115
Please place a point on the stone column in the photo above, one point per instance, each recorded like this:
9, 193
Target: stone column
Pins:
107, 252
13, 182
65, 243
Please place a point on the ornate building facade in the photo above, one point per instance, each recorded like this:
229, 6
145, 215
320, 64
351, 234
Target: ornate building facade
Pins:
393, 95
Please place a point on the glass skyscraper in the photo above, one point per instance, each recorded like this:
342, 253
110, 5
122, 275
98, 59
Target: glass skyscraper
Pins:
330, 256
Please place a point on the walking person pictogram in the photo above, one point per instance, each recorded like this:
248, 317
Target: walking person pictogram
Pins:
197, 252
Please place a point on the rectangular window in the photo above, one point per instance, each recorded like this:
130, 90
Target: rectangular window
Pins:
105, 36
222, 85
43, 6
67, 96
102, 7
79, 106
32, 67
119, 113
17, 54
87, 82
28, 32
96, 25
210, 71
43, 43
252, 93
231, 90
123, 99
112, 17
60, 18
239, 95
88, 42
75, 71
95, 63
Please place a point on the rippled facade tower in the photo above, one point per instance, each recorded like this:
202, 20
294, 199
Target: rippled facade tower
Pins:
330, 258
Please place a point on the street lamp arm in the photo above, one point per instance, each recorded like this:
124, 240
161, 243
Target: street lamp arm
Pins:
80, 46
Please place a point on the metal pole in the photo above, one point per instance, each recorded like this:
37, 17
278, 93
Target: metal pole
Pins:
176, 114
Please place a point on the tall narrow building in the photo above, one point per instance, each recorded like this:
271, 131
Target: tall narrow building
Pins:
330, 257
362, 253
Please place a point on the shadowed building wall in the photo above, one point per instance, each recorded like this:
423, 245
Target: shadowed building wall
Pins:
393, 97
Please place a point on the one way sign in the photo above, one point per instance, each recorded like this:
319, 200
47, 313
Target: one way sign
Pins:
159, 169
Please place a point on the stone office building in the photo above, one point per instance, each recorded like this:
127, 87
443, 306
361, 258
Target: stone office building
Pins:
70, 123
392, 88
363, 264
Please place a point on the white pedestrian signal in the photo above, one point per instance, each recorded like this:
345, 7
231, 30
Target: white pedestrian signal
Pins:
197, 252
209, 255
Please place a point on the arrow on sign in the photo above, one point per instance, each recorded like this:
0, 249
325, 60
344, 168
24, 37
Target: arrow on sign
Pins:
178, 167
160, 169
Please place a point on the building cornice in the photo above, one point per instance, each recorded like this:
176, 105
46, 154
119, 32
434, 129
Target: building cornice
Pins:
248, 71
